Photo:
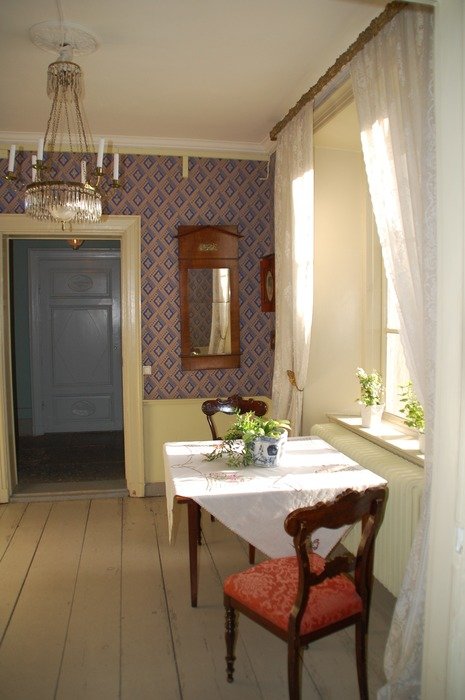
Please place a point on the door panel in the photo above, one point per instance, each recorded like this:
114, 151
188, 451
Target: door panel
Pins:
81, 344
76, 341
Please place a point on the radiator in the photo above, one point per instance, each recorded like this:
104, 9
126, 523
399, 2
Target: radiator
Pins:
405, 483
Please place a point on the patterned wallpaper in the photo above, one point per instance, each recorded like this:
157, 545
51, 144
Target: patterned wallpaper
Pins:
217, 191
200, 288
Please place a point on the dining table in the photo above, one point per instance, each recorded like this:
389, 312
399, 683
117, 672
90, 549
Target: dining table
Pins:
253, 501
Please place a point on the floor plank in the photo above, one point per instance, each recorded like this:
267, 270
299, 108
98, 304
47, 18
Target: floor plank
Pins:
17, 558
9, 518
38, 628
148, 666
91, 659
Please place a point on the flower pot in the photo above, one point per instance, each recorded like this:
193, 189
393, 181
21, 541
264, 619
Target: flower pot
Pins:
267, 451
371, 415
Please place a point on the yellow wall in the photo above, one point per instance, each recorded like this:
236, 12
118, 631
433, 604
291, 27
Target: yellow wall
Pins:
340, 251
172, 420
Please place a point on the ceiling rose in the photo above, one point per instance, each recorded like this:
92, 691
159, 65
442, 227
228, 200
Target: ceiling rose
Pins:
53, 35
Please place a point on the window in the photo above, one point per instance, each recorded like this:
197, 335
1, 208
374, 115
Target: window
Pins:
395, 368
383, 349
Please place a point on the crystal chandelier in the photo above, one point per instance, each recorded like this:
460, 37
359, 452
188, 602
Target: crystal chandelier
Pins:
65, 201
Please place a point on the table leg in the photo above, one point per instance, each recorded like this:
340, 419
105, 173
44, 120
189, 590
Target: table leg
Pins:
193, 519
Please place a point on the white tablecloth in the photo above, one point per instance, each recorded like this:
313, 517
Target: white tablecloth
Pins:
254, 501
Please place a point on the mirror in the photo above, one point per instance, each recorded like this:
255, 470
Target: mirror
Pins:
209, 311
209, 287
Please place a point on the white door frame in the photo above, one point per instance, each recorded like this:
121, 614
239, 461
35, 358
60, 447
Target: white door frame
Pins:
126, 229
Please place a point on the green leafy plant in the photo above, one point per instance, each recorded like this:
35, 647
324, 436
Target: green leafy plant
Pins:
237, 443
371, 387
412, 410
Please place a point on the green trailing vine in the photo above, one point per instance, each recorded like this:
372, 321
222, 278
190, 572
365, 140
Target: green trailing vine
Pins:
412, 410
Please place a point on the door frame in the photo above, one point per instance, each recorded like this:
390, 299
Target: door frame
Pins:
126, 229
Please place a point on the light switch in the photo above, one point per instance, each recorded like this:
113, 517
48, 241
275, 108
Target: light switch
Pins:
147, 369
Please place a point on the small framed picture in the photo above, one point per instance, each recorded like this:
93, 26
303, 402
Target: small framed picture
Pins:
267, 283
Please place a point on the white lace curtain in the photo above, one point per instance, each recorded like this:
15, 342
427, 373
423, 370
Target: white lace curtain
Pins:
393, 86
220, 332
293, 264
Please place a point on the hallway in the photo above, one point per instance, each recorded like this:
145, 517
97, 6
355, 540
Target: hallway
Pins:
57, 457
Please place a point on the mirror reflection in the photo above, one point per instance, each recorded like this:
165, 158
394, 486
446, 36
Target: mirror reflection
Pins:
209, 294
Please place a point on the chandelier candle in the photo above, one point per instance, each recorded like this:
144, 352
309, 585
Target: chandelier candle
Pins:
11, 161
101, 147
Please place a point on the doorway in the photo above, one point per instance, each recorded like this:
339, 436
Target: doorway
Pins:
67, 378
126, 230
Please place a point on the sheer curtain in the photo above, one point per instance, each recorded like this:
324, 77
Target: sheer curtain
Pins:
220, 333
393, 86
293, 264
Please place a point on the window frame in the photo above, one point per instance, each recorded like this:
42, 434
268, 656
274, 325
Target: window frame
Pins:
376, 313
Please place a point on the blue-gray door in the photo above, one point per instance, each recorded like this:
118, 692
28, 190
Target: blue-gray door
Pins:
75, 306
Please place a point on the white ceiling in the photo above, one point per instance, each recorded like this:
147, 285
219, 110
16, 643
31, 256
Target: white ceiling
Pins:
202, 74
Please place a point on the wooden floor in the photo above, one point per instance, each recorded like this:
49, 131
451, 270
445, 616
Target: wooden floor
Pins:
94, 603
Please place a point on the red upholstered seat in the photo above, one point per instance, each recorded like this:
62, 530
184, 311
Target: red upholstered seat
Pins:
270, 589
305, 597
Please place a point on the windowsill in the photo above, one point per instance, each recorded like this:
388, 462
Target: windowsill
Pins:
386, 435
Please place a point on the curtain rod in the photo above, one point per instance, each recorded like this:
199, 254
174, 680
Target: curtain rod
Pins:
390, 11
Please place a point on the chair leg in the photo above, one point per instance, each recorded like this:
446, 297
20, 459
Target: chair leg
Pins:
251, 554
294, 670
360, 651
230, 636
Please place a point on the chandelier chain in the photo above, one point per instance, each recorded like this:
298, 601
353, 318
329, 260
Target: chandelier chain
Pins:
83, 144
52, 125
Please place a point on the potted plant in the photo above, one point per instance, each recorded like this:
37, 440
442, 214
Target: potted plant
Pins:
412, 410
371, 397
252, 439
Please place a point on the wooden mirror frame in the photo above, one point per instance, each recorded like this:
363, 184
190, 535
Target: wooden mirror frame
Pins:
209, 247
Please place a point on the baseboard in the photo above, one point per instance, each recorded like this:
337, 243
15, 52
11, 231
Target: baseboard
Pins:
155, 488
70, 490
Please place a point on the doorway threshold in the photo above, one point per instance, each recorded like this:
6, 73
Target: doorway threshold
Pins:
70, 490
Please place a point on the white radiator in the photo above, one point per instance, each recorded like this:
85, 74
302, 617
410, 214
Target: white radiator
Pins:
405, 483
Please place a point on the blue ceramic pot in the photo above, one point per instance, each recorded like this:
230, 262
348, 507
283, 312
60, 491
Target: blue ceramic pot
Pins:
267, 451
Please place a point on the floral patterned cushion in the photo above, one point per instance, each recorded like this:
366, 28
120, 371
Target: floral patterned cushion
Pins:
270, 589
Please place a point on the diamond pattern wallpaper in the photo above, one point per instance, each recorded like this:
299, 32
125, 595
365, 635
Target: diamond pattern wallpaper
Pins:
216, 191
200, 288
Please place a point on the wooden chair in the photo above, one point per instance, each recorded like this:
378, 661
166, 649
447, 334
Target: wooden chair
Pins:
305, 597
233, 404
